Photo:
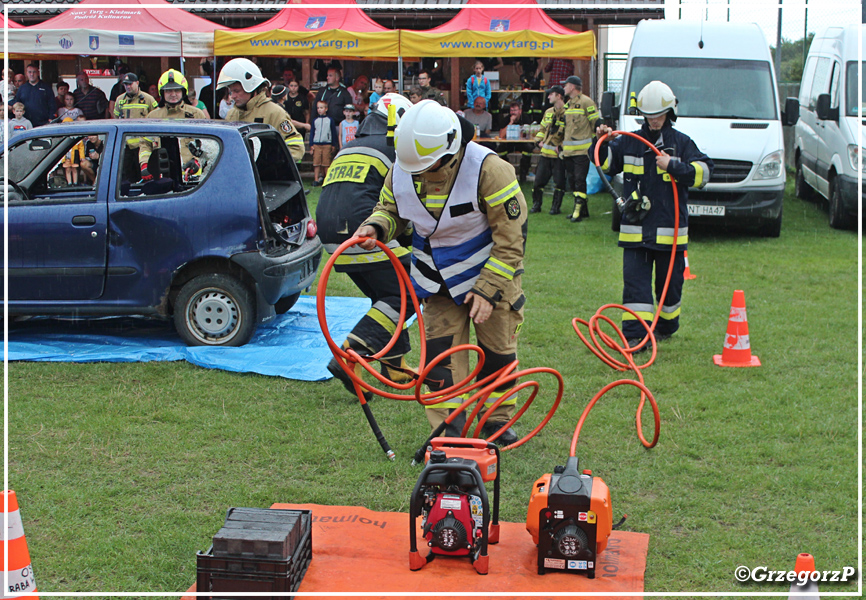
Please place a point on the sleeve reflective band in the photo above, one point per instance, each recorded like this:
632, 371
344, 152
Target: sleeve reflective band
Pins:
512, 189
392, 124
606, 164
701, 172
392, 224
386, 196
500, 268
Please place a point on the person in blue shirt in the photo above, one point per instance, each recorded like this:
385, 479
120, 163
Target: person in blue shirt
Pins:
478, 85
37, 98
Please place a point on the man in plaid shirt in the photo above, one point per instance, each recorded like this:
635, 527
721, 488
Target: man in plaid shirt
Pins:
560, 69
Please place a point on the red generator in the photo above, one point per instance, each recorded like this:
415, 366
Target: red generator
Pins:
451, 498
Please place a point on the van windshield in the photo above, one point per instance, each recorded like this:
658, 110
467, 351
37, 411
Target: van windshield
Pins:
711, 88
851, 87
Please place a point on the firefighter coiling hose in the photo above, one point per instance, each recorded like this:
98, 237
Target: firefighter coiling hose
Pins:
599, 337
476, 393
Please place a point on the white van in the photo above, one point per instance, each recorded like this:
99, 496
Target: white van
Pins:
722, 75
827, 151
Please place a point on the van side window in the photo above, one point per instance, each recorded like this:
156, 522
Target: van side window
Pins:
806, 84
821, 82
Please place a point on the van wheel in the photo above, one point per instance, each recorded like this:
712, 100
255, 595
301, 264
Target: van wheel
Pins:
284, 305
615, 218
772, 228
838, 217
801, 188
215, 310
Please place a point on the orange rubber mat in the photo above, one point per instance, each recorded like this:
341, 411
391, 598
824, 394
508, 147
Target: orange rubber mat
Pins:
359, 550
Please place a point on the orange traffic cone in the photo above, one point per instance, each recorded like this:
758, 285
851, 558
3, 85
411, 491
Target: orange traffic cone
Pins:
804, 587
737, 352
20, 573
687, 274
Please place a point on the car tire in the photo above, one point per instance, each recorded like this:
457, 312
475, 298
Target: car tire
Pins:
284, 305
802, 189
215, 310
772, 228
836, 208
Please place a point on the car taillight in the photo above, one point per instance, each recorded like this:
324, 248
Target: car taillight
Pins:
311, 229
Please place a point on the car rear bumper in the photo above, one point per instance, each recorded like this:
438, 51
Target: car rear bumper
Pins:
280, 276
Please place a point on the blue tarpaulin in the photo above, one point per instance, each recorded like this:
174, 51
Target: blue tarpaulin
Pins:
290, 346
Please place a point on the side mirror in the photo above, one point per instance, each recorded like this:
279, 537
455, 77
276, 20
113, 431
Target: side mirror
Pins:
608, 110
825, 113
40, 144
792, 112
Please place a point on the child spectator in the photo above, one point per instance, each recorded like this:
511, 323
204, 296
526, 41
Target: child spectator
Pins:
19, 123
378, 91
323, 138
348, 126
415, 95
73, 161
477, 85
69, 109
93, 149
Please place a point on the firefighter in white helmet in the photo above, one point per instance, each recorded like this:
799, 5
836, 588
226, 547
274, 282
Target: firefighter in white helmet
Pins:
248, 89
469, 219
173, 104
646, 231
350, 191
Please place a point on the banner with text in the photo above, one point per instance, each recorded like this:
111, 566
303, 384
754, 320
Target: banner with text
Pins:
495, 43
331, 42
93, 42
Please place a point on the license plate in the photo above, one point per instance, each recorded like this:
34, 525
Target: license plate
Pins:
702, 210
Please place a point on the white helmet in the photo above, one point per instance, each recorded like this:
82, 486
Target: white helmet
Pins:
426, 133
399, 100
656, 98
242, 71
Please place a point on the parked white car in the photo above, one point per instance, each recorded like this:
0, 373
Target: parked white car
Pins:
828, 140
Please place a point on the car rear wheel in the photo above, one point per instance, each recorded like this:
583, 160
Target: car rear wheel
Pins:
284, 305
215, 310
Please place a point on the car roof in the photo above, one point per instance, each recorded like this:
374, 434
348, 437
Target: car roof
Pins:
678, 39
167, 126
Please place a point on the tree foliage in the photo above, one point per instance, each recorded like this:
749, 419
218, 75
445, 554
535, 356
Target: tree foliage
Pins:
793, 58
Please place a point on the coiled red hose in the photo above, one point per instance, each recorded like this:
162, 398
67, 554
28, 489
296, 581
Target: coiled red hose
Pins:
476, 393
600, 339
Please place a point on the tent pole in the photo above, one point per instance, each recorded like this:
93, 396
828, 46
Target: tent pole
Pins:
213, 79
399, 74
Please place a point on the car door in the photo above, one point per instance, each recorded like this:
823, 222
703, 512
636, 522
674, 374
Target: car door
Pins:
829, 141
57, 232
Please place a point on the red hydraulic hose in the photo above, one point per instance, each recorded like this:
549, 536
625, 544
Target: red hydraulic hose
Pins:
599, 338
476, 393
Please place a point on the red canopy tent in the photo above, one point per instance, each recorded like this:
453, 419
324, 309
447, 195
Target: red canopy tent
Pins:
118, 27
491, 28
12, 24
303, 29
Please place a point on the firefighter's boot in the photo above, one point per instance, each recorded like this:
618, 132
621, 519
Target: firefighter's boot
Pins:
537, 197
398, 372
584, 209
557, 201
575, 215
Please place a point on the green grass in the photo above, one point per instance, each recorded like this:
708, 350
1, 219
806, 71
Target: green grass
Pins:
124, 471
